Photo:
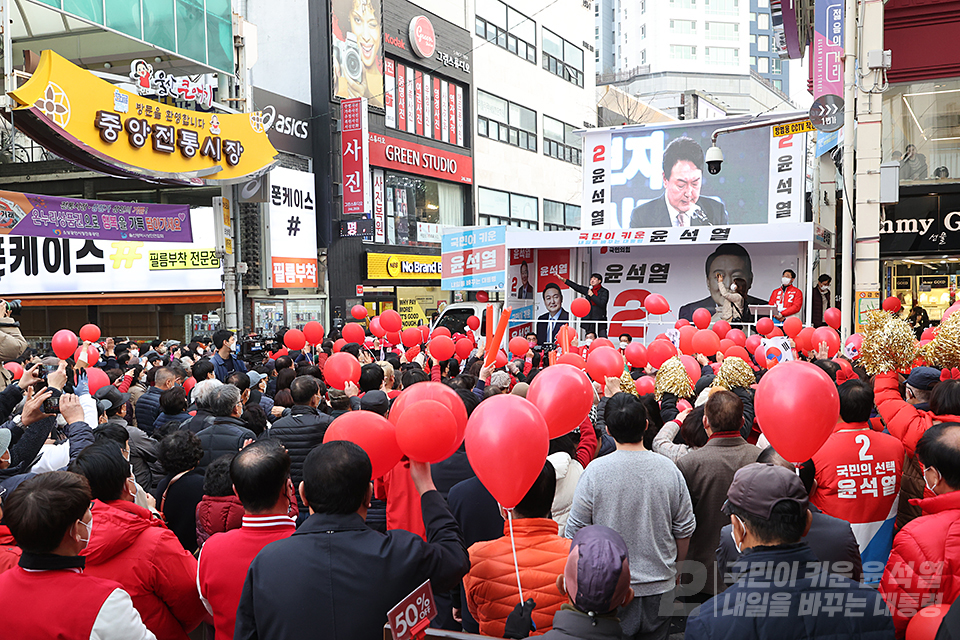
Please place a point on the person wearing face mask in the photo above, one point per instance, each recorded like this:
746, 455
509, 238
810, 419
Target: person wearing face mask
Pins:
224, 362
820, 300
142, 449
786, 298
733, 309
779, 578
924, 565
132, 546
50, 594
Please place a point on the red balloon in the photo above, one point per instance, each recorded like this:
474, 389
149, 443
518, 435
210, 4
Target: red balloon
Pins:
737, 352
658, 352
426, 430
656, 304
519, 346
926, 623
371, 432
359, 312
573, 360
721, 328
438, 392
828, 335
726, 344
483, 296
777, 331
706, 342
686, 339
96, 378
892, 304
295, 340
797, 407
339, 344
752, 343
501, 360
804, 339
598, 343
464, 347
693, 368
564, 396
393, 337
424, 330
442, 331
442, 347
760, 355
411, 337
376, 328
15, 368
341, 368
352, 332
473, 322
412, 353
496, 426
739, 337
832, 317
845, 365
636, 355
64, 343
580, 307
683, 405
682, 322
928, 334
792, 326
949, 311
90, 332
644, 385
765, 326
851, 348
313, 332
604, 363
391, 320
93, 356
701, 318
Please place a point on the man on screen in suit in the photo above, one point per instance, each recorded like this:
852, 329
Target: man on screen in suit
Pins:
732, 261
681, 204
525, 290
548, 324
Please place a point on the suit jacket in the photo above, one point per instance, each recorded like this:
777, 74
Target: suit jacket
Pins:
598, 303
817, 308
708, 303
654, 213
525, 292
544, 325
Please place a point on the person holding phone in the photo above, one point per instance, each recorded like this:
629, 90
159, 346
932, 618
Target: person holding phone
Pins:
12, 342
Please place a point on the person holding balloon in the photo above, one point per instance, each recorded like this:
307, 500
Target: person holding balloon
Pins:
596, 320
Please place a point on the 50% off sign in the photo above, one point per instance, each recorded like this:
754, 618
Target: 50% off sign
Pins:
410, 619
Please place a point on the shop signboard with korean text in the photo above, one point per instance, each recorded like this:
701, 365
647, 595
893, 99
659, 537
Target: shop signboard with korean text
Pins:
47, 265
293, 230
102, 127
626, 184
828, 48
355, 156
27, 214
474, 258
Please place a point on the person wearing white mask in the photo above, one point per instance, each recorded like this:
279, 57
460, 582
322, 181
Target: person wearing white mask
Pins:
732, 310
821, 300
786, 298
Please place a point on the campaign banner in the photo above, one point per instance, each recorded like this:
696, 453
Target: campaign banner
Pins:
355, 155
828, 48
27, 214
522, 291
474, 258
553, 295
628, 185
687, 277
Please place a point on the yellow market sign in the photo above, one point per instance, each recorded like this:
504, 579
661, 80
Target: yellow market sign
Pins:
100, 126
391, 266
791, 128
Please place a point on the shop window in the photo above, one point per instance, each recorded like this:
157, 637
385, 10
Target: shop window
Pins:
560, 141
921, 128
562, 58
416, 208
502, 120
513, 209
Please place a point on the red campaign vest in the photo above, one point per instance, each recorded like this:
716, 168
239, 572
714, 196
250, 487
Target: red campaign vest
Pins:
60, 604
792, 295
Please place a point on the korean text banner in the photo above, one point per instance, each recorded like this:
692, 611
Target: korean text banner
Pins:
357, 41
26, 214
293, 229
31, 265
474, 258
628, 183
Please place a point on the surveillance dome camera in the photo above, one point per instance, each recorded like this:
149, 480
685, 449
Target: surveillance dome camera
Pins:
714, 159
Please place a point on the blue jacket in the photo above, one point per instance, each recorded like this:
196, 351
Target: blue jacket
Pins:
147, 409
336, 578
767, 602
224, 436
220, 367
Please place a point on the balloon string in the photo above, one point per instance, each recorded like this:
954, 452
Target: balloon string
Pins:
513, 545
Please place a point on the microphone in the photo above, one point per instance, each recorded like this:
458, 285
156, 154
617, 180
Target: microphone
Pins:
698, 214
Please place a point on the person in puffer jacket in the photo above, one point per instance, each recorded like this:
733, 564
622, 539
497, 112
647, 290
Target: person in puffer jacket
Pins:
220, 509
569, 458
127, 544
491, 586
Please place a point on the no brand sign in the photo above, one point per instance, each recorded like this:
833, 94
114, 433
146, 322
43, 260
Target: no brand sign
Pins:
423, 39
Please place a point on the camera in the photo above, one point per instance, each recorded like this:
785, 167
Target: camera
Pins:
347, 53
253, 349
14, 306
52, 404
714, 158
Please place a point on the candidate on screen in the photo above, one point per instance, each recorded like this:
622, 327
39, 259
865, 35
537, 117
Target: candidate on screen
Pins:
731, 261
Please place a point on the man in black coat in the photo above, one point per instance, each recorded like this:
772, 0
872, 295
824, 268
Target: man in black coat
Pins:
598, 297
681, 204
336, 578
227, 433
302, 430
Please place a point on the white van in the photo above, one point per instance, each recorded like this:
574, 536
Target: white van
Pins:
454, 317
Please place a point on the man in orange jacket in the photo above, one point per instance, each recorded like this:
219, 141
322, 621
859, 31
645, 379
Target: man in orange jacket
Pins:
491, 585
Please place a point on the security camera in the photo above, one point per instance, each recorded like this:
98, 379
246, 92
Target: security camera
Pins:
714, 159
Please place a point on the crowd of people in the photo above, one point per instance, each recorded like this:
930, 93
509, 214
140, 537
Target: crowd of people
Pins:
195, 489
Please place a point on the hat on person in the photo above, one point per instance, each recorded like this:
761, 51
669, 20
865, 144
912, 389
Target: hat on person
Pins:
376, 401
152, 355
5, 436
171, 343
758, 487
255, 378
110, 394
597, 573
500, 379
923, 378
521, 389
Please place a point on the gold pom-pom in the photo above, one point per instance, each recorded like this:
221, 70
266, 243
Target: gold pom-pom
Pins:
734, 372
627, 385
672, 378
889, 343
944, 350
